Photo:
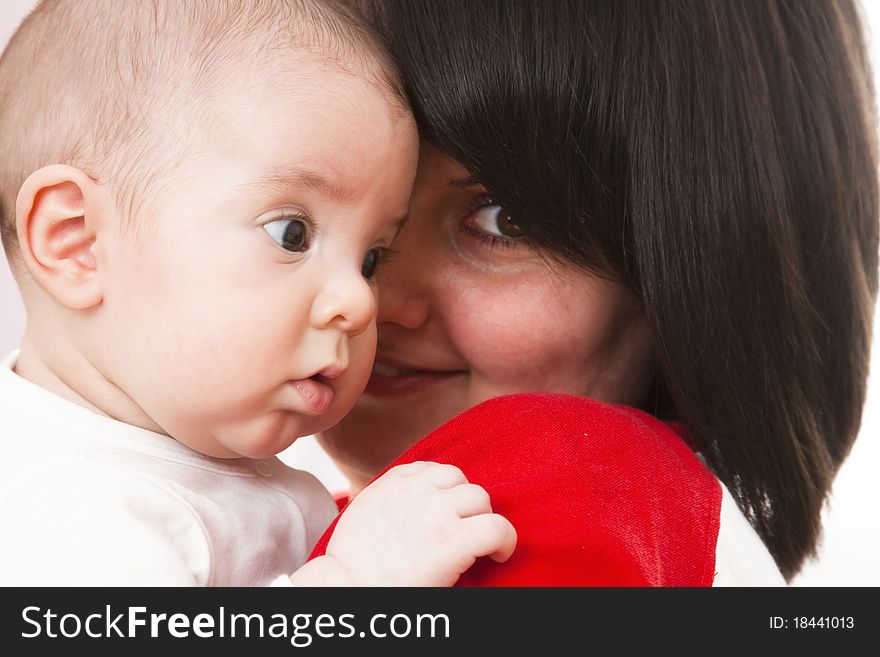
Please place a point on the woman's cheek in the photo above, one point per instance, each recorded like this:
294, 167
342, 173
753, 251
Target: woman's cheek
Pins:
542, 331
509, 336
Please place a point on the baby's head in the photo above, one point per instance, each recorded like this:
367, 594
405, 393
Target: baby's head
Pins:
194, 197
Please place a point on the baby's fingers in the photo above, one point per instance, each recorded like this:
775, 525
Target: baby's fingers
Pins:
469, 500
490, 535
439, 475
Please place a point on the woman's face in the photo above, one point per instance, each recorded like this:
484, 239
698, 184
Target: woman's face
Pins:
469, 311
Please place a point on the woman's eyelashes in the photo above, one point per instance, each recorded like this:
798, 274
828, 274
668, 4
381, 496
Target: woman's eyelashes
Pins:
493, 226
290, 232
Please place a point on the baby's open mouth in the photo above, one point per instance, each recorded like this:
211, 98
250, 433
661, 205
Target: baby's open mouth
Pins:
316, 394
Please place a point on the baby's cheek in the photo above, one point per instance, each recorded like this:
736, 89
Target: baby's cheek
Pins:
361, 354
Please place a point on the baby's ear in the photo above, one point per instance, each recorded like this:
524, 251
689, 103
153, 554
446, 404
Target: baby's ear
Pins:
58, 213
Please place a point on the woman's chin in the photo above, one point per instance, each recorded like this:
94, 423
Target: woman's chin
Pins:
380, 429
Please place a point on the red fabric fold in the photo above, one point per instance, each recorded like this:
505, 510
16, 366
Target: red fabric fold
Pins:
600, 495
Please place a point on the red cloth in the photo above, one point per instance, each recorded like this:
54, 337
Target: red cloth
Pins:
600, 495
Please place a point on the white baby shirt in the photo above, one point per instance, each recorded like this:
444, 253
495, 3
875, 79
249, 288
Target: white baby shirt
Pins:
87, 500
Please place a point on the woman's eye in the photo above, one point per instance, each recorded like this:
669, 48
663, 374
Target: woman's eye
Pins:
494, 220
290, 234
371, 263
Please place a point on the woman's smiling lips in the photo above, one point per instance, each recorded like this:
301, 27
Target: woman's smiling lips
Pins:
390, 378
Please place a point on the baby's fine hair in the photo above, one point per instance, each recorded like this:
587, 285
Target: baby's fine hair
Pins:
114, 88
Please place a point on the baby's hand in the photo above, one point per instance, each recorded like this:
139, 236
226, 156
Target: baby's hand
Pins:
420, 524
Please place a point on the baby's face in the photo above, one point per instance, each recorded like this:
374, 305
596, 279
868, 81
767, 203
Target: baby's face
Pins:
239, 313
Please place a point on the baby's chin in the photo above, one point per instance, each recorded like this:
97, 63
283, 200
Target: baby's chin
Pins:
259, 437
266, 437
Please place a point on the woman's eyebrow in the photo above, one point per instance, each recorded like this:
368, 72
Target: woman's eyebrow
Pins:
290, 178
470, 181
398, 225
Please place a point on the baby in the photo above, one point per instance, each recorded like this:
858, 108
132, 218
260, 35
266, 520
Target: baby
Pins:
195, 198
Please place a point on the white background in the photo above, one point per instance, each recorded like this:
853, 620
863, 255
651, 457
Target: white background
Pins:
852, 523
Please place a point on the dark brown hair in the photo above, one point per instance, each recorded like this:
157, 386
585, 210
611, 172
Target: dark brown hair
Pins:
719, 158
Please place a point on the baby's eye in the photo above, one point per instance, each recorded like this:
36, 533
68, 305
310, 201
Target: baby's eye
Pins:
291, 234
495, 221
372, 260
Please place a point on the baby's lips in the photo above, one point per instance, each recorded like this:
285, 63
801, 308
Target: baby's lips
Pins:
316, 395
333, 371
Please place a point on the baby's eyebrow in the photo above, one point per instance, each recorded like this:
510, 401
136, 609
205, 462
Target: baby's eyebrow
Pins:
300, 177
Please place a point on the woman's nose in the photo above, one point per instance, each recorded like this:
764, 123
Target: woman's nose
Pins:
346, 301
404, 286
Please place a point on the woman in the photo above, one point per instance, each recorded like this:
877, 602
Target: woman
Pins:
671, 206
